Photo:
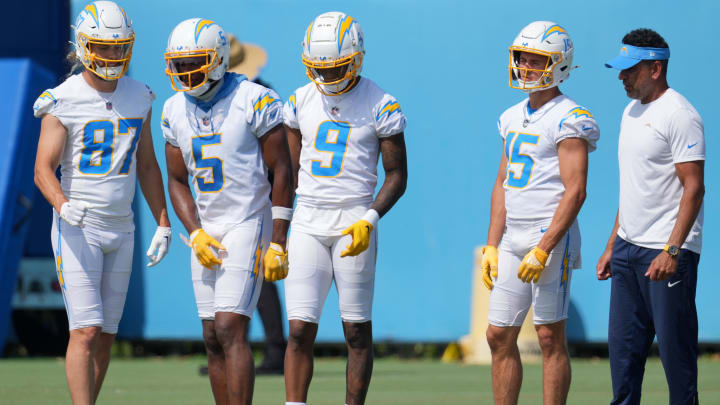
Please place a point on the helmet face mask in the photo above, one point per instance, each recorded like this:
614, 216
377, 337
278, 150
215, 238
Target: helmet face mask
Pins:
190, 70
333, 51
540, 57
104, 39
196, 56
531, 69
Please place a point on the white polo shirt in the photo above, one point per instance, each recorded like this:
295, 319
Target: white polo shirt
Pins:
653, 138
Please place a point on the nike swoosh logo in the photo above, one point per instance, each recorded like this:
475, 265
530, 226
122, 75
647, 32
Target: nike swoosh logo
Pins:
690, 146
671, 285
584, 128
543, 230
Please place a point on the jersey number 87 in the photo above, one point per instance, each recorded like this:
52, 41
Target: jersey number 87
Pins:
89, 164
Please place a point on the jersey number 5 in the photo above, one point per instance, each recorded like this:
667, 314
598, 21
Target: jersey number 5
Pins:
96, 157
513, 142
331, 137
215, 164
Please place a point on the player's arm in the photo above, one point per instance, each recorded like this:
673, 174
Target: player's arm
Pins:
489, 260
497, 205
276, 154
184, 205
277, 157
573, 162
151, 184
294, 140
603, 265
179, 189
149, 176
51, 145
394, 160
692, 178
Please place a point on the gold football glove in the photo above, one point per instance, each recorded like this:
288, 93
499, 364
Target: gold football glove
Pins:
276, 263
489, 265
201, 244
360, 232
532, 265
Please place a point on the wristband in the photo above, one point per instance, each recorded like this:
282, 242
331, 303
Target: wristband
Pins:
282, 213
372, 216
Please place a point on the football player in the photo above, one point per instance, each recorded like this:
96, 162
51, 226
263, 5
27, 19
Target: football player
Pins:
533, 238
338, 124
96, 127
225, 132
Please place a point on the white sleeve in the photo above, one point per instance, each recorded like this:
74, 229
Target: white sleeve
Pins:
389, 118
579, 123
46, 103
150, 94
266, 111
500, 128
167, 128
290, 113
686, 136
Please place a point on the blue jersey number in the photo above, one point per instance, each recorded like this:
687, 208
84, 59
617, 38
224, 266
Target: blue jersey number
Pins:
215, 164
513, 143
96, 157
124, 125
332, 137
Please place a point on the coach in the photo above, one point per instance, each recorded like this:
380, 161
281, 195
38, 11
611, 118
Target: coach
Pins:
653, 253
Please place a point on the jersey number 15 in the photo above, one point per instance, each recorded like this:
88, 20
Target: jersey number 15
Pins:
513, 142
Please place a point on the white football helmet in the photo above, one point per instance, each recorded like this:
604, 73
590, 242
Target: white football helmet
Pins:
333, 40
101, 24
197, 54
547, 39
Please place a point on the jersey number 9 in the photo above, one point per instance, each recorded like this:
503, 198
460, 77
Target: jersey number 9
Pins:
332, 137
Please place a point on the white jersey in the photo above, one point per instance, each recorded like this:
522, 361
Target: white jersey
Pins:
340, 146
98, 163
533, 187
220, 145
653, 138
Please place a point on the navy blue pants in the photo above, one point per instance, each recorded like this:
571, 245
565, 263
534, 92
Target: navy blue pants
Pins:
640, 309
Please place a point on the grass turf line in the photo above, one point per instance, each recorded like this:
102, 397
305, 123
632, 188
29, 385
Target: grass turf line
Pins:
175, 380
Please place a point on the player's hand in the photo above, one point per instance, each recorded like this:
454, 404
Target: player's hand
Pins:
603, 265
73, 213
489, 265
276, 263
201, 244
160, 243
662, 267
532, 265
360, 232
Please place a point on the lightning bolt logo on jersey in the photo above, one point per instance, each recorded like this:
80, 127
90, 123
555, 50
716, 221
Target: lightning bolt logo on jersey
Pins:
99, 161
221, 149
340, 142
533, 187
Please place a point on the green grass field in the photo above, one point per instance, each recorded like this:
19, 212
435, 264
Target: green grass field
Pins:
175, 380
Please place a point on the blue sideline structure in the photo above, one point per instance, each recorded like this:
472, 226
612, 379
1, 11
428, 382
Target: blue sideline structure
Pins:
23, 82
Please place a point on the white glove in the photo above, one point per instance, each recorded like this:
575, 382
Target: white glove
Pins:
73, 213
161, 243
